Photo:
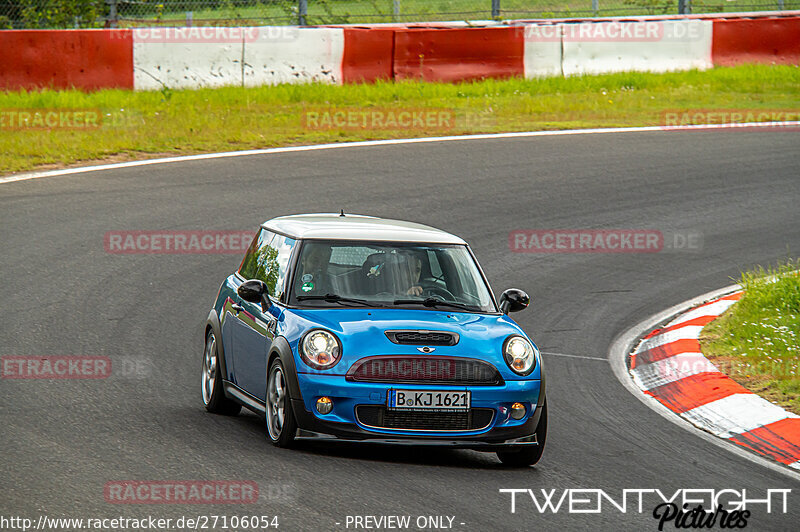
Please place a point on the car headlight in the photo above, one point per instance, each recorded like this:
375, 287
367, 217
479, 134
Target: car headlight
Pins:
320, 349
520, 355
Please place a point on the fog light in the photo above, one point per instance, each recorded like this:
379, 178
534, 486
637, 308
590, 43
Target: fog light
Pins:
517, 410
324, 405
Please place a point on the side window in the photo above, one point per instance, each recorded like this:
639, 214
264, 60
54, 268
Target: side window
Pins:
282, 246
268, 259
248, 267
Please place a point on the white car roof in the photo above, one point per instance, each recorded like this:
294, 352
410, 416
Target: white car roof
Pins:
332, 226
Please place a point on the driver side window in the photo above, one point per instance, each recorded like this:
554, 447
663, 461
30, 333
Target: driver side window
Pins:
267, 260
254, 260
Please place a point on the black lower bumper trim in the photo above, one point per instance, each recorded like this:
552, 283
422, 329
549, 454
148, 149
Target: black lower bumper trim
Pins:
315, 429
304, 435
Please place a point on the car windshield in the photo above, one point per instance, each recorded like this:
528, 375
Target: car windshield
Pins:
390, 274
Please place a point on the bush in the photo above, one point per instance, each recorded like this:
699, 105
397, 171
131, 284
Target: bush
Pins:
58, 13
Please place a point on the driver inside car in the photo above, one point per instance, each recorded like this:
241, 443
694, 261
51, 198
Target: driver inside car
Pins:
313, 276
415, 266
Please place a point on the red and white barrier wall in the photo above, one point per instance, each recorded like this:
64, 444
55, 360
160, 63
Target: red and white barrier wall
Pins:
451, 55
86, 59
152, 58
601, 47
763, 40
213, 57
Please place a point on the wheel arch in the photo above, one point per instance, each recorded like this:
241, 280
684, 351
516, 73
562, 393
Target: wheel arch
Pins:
281, 349
213, 325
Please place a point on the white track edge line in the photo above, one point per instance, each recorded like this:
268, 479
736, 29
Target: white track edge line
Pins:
624, 344
550, 353
385, 142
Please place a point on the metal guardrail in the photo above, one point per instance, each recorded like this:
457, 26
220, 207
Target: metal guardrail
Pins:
130, 13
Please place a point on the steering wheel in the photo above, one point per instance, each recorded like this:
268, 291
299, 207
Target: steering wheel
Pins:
431, 290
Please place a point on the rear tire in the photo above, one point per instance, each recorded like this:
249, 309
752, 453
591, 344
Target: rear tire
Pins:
281, 424
213, 394
529, 455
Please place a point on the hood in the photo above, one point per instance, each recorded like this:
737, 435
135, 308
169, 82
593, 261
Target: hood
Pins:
362, 332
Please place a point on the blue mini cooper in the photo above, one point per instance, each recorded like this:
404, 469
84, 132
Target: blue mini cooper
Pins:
353, 328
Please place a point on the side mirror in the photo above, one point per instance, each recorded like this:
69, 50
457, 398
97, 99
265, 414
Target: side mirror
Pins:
514, 300
255, 291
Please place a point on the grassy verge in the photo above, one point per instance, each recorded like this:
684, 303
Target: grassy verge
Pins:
146, 124
757, 342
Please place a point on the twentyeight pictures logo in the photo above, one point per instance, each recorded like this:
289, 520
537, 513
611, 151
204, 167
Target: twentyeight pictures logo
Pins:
684, 508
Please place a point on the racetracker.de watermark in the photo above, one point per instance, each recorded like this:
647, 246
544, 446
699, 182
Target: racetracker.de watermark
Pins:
215, 34
50, 119
616, 31
54, 367
393, 119
37, 119
782, 119
181, 492
177, 242
676, 368
602, 241
75, 367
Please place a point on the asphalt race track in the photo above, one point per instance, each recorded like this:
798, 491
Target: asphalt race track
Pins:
63, 440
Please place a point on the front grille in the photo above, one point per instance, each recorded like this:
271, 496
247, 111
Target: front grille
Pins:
424, 370
423, 337
378, 416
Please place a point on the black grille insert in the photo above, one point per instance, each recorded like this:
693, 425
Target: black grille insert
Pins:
379, 416
423, 337
429, 369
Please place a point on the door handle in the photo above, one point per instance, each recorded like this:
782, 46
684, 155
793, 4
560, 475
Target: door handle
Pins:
237, 307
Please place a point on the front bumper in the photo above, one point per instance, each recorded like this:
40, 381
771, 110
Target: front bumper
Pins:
342, 423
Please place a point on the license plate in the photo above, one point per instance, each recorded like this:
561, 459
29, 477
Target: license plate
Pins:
428, 400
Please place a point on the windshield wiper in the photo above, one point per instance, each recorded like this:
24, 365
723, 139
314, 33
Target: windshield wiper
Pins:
432, 302
335, 298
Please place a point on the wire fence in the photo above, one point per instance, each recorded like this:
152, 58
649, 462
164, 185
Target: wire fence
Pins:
20, 14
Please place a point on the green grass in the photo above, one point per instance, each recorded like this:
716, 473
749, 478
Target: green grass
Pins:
757, 342
147, 124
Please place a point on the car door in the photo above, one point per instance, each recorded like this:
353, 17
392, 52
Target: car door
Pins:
229, 324
254, 331
254, 328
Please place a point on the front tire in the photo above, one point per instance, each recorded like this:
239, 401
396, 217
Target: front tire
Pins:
213, 395
529, 455
281, 424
